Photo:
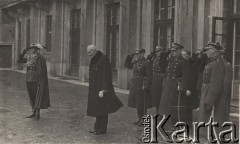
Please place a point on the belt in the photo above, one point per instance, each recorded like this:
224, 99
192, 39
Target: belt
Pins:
158, 73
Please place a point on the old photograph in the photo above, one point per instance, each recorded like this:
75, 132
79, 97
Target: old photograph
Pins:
119, 71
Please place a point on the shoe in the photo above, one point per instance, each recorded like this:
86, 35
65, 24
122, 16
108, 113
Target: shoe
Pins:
140, 123
92, 131
98, 133
136, 123
31, 116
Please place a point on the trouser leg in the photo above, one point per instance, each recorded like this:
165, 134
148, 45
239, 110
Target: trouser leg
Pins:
101, 124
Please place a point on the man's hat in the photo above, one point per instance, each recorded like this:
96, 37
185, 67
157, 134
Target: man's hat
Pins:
139, 51
158, 48
176, 46
211, 45
36, 45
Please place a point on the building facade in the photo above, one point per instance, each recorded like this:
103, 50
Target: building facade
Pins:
118, 27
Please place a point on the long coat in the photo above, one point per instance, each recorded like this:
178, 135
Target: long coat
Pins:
100, 78
215, 90
184, 104
159, 67
142, 73
42, 100
170, 86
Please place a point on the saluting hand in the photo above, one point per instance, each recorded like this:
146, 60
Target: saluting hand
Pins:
188, 93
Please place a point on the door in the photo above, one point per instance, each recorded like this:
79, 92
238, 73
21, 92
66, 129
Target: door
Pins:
74, 42
5, 56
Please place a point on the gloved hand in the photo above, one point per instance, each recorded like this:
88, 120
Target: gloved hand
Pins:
188, 93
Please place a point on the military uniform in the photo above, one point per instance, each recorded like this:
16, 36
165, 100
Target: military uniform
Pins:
138, 97
159, 66
170, 86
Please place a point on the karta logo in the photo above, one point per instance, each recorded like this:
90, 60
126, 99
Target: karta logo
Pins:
181, 133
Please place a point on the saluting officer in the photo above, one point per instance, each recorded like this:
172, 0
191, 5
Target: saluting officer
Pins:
217, 77
139, 95
159, 66
170, 85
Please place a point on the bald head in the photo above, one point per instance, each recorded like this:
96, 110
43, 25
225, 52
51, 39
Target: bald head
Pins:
91, 50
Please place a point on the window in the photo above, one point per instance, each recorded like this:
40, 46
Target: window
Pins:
164, 23
75, 29
48, 32
113, 37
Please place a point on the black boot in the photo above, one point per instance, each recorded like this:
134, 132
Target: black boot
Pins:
37, 116
33, 114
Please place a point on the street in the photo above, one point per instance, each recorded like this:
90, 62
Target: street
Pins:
66, 120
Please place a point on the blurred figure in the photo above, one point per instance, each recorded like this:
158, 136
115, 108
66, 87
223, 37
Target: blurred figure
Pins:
159, 66
139, 94
36, 79
102, 99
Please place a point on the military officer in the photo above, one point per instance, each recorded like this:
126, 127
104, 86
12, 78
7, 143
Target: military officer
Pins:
139, 95
216, 85
170, 85
159, 66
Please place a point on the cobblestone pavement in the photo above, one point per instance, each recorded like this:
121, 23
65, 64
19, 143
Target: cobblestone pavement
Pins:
64, 122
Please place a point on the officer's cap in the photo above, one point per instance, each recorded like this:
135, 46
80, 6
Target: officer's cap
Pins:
139, 51
211, 45
158, 48
36, 46
176, 46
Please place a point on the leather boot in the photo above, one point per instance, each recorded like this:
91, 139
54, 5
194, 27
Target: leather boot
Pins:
33, 114
37, 116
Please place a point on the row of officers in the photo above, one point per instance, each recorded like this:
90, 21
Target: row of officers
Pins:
176, 82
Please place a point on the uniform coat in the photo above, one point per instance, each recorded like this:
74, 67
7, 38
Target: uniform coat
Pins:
213, 91
142, 72
159, 66
100, 78
170, 86
37, 82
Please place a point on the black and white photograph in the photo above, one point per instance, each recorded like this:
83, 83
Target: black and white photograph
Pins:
119, 71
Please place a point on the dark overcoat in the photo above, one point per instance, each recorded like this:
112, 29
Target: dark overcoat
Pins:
184, 104
170, 86
42, 100
142, 73
213, 91
159, 67
100, 78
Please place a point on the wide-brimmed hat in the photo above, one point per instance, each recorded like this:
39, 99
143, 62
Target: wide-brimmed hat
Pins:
36, 46
176, 46
158, 48
211, 45
139, 51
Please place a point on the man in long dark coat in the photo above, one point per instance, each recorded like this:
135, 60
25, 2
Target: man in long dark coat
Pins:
170, 91
102, 99
187, 89
159, 67
139, 94
36, 79
216, 88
